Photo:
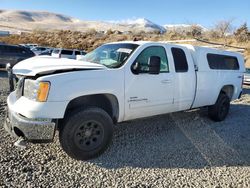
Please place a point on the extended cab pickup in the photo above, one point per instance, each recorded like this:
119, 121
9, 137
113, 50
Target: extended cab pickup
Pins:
115, 83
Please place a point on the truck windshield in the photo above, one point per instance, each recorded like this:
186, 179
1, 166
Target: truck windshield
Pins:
111, 55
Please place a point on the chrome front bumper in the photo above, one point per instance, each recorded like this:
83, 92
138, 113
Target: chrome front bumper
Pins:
41, 130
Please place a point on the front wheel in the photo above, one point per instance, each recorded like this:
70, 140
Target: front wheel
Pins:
86, 133
219, 111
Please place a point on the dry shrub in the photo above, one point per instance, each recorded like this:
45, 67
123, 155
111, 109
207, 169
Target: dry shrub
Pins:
242, 34
91, 39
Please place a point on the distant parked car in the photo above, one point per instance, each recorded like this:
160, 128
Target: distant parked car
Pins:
80, 57
24, 45
47, 52
29, 45
66, 53
4, 33
39, 49
12, 54
247, 76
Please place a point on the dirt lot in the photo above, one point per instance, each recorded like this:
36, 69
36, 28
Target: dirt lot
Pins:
183, 149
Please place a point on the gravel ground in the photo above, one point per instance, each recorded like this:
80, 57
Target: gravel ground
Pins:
177, 150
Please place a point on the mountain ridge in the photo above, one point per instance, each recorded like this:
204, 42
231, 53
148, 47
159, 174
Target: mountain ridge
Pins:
43, 20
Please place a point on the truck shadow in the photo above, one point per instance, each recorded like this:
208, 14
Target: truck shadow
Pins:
181, 140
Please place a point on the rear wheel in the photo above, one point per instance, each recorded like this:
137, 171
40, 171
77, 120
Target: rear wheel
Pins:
86, 133
219, 111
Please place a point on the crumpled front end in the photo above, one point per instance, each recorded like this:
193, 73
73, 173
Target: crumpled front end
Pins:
33, 130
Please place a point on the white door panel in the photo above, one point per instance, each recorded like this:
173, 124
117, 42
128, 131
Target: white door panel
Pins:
147, 95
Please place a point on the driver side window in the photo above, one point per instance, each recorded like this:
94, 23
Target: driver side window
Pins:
144, 56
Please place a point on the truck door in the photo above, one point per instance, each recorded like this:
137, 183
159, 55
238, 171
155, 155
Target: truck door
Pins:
148, 94
185, 78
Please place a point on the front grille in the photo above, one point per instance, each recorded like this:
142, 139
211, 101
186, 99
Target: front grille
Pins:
19, 88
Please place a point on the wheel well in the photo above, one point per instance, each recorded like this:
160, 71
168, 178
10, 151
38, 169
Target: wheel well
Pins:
107, 102
228, 90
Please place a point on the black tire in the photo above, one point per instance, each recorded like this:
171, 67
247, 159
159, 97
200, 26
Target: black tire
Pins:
86, 133
219, 111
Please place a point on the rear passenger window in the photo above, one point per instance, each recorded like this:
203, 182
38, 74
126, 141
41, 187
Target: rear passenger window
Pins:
14, 50
77, 52
222, 62
8, 49
180, 60
67, 52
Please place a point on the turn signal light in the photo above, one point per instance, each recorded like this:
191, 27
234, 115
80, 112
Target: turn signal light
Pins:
43, 91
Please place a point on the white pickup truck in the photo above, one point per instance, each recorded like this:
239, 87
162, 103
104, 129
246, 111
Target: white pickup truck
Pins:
115, 83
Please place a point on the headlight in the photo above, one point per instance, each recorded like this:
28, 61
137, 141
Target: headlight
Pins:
37, 91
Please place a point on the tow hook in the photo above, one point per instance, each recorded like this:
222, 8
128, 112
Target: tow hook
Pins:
21, 143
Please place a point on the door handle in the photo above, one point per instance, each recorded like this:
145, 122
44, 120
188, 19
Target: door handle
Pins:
166, 81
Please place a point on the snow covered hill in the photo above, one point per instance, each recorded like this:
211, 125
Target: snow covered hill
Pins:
25, 21
183, 27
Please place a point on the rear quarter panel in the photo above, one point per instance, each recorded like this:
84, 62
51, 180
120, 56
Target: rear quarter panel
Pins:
211, 81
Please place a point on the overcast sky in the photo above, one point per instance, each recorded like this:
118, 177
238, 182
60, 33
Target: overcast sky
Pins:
205, 12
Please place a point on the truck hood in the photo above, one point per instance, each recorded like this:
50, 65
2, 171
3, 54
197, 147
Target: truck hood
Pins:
47, 64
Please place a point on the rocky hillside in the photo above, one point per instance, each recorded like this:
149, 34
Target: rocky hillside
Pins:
90, 40
28, 16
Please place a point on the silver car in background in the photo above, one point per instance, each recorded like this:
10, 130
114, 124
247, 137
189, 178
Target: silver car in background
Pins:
247, 76
39, 49
67, 53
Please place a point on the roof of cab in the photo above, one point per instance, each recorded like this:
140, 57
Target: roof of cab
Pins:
196, 51
189, 46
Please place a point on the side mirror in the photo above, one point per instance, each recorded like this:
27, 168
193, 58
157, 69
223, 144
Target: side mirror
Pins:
8, 67
154, 65
136, 68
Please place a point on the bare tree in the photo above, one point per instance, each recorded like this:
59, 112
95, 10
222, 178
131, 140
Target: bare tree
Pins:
224, 27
